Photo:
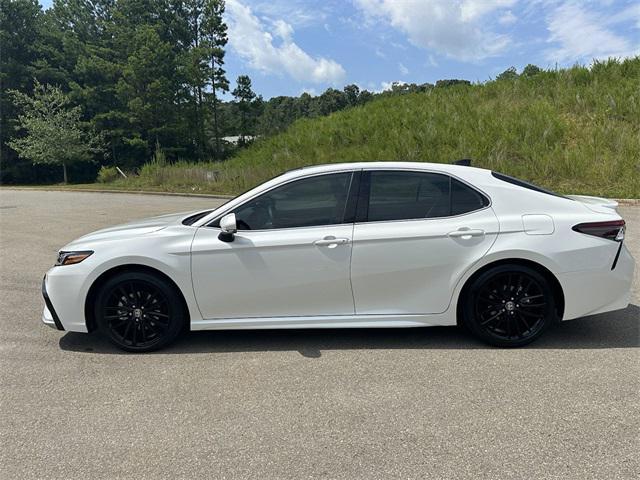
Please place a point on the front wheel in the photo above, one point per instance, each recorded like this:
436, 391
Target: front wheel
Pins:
509, 306
139, 312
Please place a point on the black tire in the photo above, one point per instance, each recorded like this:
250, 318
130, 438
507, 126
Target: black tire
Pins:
509, 306
139, 312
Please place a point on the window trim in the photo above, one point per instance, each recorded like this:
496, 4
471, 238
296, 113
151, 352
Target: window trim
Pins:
352, 172
363, 198
518, 182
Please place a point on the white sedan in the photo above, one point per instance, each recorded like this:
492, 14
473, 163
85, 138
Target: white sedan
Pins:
351, 245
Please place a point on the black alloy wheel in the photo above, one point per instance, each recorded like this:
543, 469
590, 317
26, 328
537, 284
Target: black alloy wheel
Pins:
509, 306
139, 312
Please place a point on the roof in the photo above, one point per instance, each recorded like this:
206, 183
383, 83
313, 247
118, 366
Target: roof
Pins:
457, 170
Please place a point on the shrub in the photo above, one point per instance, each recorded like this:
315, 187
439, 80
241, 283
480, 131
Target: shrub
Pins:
107, 174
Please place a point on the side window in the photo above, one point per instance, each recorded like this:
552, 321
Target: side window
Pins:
465, 199
398, 195
312, 201
407, 195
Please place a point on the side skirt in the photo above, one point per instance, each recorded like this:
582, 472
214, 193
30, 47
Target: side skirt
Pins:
326, 321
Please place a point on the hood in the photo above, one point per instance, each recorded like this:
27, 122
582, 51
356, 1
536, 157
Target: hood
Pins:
131, 229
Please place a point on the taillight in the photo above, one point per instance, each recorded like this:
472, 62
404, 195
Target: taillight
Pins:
613, 230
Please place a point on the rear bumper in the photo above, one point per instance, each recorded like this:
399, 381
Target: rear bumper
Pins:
588, 292
49, 315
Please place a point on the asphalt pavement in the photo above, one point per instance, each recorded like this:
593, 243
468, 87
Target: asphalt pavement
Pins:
414, 403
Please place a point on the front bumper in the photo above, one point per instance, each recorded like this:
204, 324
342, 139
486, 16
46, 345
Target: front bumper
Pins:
49, 315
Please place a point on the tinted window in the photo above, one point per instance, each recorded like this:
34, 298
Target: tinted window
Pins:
318, 200
415, 195
465, 199
406, 195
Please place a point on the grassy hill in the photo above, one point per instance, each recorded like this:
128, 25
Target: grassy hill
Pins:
575, 130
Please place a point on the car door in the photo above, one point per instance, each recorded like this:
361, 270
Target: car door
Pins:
290, 256
415, 234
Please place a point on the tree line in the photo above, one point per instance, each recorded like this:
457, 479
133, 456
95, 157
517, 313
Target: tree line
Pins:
109, 82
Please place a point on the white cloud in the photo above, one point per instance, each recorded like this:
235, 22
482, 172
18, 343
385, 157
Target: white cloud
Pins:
507, 18
254, 42
580, 34
403, 69
296, 12
384, 86
456, 28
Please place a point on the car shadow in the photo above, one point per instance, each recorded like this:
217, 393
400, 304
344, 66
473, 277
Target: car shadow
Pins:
619, 329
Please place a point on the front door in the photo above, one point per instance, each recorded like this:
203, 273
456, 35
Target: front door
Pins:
416, 233
290, 256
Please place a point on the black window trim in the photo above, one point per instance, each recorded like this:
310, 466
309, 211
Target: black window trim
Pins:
354, 173
524, 184
365, 188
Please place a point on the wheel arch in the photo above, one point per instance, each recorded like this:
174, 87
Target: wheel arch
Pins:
89, 314
556, 287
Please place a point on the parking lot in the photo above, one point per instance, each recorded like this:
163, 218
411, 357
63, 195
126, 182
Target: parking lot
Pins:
415, 403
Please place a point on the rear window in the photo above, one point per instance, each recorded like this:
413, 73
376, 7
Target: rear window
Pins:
527, 185
406, 195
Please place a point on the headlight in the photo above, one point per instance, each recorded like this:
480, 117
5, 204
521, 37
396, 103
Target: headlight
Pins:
69, 258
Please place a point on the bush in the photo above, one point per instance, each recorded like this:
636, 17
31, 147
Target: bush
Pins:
107, 174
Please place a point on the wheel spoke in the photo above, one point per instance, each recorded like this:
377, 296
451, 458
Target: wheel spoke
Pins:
120, 323
532, 305
526, 324
530, 314
489, 320
126, 331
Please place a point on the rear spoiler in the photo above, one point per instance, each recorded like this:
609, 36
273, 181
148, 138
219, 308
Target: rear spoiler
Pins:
464, 162
594, 202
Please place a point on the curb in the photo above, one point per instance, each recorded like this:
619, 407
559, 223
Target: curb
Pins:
131, 192
628, 201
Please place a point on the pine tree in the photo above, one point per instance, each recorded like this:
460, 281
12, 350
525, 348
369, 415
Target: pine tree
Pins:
215, 33
244, 97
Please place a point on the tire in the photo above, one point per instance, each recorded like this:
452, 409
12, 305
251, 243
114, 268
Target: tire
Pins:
139, 312
509, 306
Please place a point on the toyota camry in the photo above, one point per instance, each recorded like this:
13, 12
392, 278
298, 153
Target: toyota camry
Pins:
351, 245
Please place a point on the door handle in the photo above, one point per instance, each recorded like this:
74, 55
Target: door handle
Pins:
331, 242
466, 232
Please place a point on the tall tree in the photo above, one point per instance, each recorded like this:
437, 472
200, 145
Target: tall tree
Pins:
215, 33
54, 130
352, 92
244, 97
19, 39
148, 88
196, 60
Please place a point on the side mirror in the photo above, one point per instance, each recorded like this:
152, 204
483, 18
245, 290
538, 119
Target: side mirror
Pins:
228, 227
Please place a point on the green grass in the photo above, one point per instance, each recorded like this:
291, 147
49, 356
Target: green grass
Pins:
575, 131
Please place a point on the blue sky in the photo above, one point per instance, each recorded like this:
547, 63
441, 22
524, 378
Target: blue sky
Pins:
291, 46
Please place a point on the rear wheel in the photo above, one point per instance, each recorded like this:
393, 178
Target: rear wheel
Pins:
139, 312
509, 306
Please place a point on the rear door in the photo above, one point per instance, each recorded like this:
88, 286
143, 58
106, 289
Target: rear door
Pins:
416, 233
